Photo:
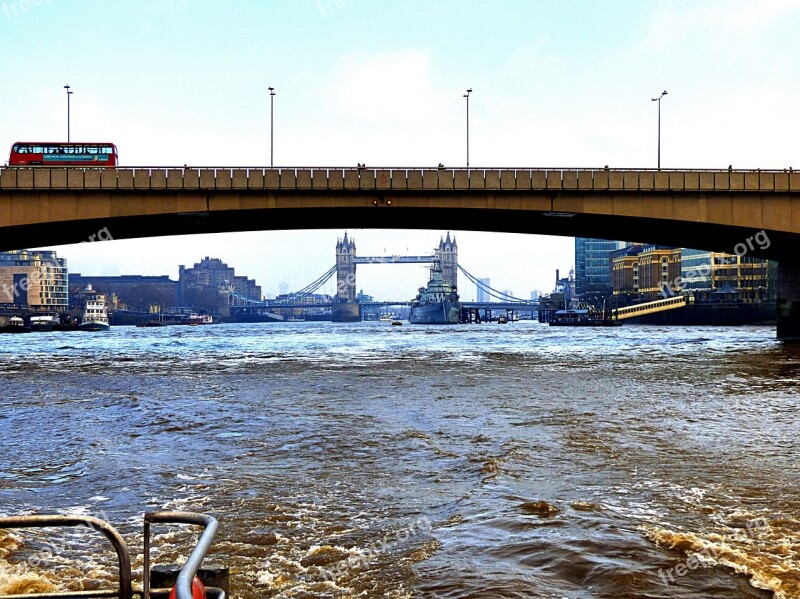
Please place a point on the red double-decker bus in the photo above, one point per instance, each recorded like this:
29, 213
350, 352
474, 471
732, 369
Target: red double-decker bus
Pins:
63, 154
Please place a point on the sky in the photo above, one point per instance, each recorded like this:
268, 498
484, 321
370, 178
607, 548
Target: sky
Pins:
565, 83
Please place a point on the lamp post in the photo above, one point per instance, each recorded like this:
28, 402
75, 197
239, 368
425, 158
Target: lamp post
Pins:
658, 99
69, 93
469, 91
271, 127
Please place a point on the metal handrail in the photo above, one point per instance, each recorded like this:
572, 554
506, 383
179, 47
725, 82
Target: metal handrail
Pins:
374, 169
125, 590
183, 585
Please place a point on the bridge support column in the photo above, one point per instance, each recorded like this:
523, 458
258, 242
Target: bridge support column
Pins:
346, 309
345, 313
788, 291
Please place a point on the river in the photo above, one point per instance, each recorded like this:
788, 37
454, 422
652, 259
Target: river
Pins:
367, 460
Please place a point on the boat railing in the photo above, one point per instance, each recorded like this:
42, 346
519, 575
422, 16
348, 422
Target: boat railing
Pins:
183, 585
124, 590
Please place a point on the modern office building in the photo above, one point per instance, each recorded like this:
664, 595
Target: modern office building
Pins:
483, 294
709, 274
34, 280
593, 267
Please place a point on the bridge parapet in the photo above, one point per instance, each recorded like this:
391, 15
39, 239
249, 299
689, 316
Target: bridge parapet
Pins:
397, 179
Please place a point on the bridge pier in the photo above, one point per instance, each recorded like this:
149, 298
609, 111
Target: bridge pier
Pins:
788, 291
345, 313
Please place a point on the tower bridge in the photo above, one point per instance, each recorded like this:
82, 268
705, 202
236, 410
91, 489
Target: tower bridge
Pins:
346, 309
344, 305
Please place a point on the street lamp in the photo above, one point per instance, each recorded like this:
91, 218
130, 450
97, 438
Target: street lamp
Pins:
658, 99
469, 91
69, 93
271, 128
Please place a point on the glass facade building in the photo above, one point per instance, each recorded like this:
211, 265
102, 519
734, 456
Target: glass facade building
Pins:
704, 272
483, 295
593, 266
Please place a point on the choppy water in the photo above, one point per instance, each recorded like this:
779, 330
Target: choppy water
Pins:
376, 461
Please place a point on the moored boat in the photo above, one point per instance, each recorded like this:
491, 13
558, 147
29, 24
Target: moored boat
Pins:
196, 319
15, 324
95, 314
584, 318
44, 322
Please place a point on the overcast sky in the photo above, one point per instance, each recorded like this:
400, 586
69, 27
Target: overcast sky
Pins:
557, 83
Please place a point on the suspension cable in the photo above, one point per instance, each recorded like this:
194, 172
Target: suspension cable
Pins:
491, 291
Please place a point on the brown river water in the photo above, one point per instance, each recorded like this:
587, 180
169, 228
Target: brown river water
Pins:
373, 461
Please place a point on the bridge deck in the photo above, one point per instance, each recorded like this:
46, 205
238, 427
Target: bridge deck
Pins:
397, 179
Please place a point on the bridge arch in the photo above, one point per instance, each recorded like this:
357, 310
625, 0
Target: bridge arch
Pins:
715, 210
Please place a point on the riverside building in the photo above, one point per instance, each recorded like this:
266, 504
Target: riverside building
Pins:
34, 280
593, 267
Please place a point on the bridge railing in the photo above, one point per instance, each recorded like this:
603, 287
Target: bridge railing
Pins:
399, 179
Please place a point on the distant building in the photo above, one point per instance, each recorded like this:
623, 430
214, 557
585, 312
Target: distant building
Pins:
565, 287
707, 274
211, 284
483, 294
535, 295
131, 292
645, 271
35, 280
593, 267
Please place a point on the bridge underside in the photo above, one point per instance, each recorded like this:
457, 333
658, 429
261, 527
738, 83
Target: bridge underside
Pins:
783, 246
717, 211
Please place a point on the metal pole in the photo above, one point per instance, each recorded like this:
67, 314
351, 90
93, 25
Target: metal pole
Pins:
271, 125
658, 99
469, 91
69, 93
659, 134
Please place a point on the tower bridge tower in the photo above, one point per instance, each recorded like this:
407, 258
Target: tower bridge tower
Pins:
345, 309
448, 259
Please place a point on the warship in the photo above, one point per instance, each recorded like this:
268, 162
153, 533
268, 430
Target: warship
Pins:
437, 303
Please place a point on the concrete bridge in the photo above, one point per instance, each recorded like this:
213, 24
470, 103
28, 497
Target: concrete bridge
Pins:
718, 210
